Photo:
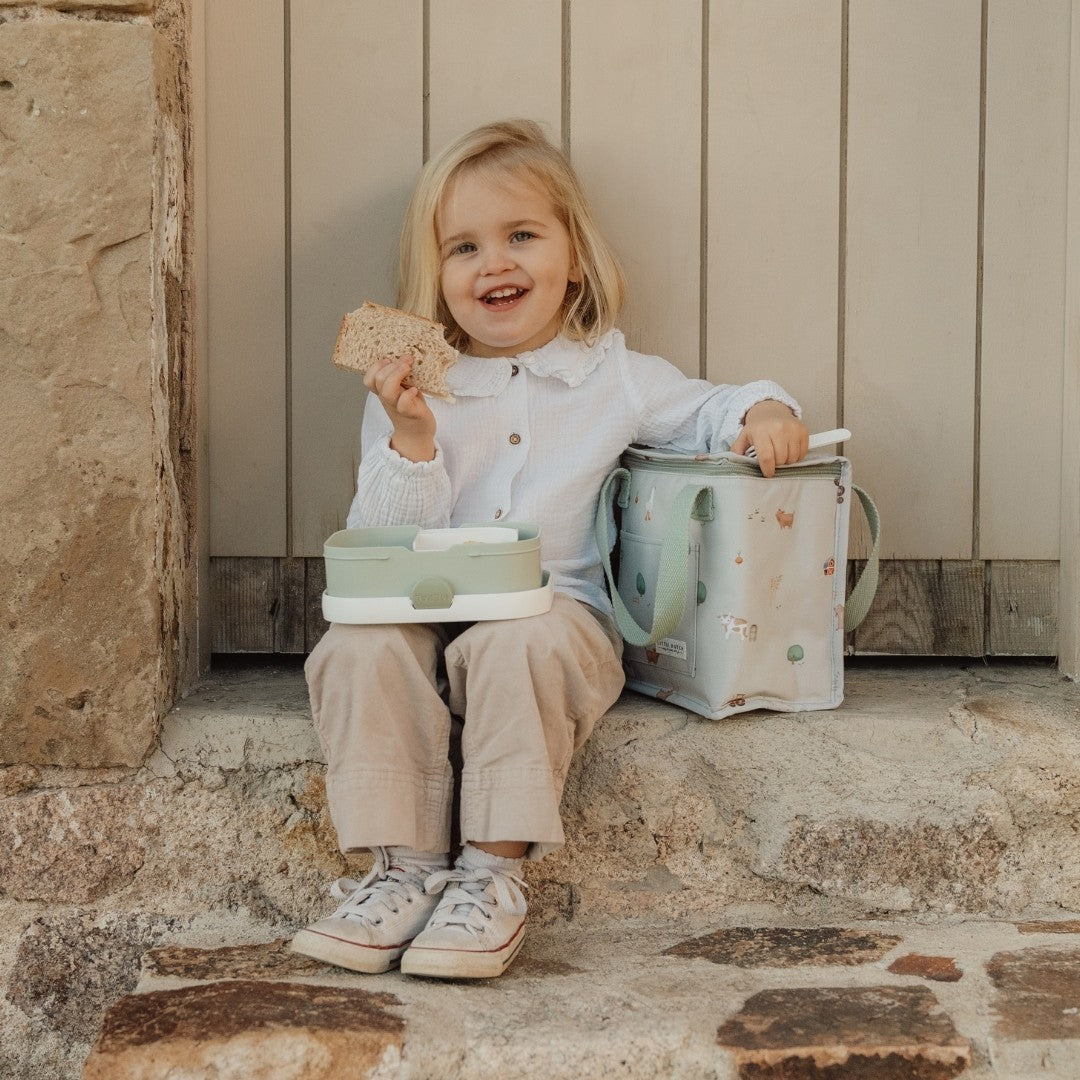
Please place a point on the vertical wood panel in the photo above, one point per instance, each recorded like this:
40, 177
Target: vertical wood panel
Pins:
1027, 109
1069, 598
635, 136
483, 68
357, 144
245, 194
773, 197
912, 189
199, 284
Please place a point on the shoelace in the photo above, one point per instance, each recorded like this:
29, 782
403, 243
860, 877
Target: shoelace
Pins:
469, 903
379, 894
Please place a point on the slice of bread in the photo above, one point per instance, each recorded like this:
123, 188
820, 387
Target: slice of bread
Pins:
374, 332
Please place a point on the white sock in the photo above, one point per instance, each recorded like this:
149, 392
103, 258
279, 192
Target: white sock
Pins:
421, 863
475, 858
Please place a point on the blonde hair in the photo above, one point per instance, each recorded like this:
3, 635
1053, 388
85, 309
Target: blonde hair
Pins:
515, 147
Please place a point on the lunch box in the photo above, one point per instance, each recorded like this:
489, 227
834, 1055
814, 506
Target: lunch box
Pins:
408, 574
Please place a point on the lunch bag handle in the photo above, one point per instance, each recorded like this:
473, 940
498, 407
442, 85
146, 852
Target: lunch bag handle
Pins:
671, 579
862, 595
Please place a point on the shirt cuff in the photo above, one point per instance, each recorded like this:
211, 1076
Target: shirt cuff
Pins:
406, 467
762, 390
392, 490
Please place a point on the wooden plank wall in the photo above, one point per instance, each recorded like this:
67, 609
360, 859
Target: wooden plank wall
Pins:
912, 217
1069, 590
1023, 329
356, 122
247, 368
866, 201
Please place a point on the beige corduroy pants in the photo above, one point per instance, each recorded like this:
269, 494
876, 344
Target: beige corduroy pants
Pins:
528, 690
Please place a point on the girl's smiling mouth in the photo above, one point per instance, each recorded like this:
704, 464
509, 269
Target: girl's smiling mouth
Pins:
503, 296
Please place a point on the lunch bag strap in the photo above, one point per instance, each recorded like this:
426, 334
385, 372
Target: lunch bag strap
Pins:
671, 578
671, 582
862, 596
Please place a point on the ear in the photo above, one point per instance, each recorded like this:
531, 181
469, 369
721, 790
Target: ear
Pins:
575, 275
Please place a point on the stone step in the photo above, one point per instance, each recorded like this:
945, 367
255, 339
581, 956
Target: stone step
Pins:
936, 793
932, 788
875, 1000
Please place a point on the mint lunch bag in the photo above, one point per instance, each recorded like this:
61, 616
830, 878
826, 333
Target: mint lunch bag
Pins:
731, 586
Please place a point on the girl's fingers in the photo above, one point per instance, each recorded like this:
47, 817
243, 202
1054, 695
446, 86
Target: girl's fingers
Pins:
392, 372
375, 376
411, 403
385, 379
766, 456
798, 446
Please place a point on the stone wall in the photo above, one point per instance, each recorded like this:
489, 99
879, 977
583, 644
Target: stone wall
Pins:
97, 504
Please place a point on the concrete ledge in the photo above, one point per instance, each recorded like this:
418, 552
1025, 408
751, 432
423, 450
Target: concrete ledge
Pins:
256, 717
933, 787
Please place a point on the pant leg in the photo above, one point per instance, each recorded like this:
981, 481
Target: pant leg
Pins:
530, 691
385, 731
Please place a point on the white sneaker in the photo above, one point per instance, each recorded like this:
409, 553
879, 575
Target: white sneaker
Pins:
476, 930
380, 916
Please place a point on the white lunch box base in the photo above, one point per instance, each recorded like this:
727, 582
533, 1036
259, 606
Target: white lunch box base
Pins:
465, 607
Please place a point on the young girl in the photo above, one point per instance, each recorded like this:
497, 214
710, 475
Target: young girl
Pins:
500, 247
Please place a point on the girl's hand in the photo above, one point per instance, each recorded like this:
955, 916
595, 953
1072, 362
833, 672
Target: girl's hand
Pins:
776, 435
413, 420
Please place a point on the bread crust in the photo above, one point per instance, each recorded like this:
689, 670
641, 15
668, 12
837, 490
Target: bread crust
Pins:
374, 332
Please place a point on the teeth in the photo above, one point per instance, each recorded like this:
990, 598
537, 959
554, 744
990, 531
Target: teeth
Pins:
499, 294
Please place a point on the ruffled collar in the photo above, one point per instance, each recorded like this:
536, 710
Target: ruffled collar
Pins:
570, 361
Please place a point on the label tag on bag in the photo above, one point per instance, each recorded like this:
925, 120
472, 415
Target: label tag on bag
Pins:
671, 647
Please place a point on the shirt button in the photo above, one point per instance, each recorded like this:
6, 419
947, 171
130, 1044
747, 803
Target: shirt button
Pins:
515, 439
498, 514
514, 369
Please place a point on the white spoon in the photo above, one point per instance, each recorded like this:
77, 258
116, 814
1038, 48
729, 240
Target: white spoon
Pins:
822, 438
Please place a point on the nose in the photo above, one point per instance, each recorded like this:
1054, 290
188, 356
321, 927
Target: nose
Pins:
497, 260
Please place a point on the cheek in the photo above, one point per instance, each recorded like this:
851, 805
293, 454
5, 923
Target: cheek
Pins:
456, 293
449, 285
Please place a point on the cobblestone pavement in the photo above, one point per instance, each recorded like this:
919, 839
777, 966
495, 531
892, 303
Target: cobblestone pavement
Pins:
926, 998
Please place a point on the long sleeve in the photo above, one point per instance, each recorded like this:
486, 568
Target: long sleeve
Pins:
690, 416
390, 489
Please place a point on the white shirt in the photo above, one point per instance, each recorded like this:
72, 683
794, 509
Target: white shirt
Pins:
532, 438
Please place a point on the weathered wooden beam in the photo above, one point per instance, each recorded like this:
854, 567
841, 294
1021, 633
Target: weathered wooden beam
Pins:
928, 607
244, 591
290, 614
923, 607
315, 624
1023, 608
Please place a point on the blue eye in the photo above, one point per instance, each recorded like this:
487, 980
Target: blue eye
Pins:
522, 234
464, 249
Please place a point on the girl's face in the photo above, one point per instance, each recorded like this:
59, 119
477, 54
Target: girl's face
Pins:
506, 262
